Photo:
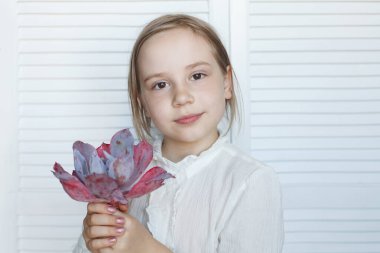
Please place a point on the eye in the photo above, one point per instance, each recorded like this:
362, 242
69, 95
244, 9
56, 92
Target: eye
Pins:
197, 76
160, 85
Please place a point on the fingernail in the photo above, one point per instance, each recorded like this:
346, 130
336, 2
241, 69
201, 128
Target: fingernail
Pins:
120, 220
112, 240
120, 230
111, 209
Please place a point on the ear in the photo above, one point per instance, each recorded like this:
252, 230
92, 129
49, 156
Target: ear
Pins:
228, 83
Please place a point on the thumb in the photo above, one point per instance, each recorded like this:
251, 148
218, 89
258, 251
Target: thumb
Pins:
123, 208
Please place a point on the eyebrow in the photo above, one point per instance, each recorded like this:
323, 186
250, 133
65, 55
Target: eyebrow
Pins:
190, 66
197, 64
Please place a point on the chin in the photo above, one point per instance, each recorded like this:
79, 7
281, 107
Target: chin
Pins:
192, 137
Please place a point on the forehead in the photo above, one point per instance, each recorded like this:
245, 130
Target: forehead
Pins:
174, 48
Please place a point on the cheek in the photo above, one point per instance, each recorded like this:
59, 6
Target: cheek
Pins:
154, 107
215, 100
146, 105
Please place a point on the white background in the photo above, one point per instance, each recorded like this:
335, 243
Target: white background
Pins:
309, 73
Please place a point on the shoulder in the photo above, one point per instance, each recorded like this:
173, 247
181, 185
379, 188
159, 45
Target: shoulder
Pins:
238, 155
240, 173
241, 163
254, 190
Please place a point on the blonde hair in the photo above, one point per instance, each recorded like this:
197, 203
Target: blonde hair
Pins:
141, 121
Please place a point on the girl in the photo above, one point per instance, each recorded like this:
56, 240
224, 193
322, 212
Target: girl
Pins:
221, 200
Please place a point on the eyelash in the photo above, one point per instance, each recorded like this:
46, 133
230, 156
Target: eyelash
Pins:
155, 86
198, 73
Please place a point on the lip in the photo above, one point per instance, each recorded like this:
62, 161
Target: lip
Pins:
188, 119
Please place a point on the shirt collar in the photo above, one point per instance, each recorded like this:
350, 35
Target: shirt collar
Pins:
182, 167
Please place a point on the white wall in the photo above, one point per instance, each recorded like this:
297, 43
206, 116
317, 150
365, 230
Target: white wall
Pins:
309, 74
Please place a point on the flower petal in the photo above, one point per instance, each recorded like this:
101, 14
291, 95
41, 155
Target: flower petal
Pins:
86, 160
150, 181
118, 197
104, 147
101, 185
121, 169
122, 143
80, 165
142, 156
72, 185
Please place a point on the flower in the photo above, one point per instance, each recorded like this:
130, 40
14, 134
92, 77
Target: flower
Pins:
113, 172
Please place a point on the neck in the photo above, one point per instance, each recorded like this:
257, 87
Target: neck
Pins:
175, 151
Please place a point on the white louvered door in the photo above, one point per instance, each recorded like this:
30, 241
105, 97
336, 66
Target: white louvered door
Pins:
310, 78
8, 127
315, 117
73, 64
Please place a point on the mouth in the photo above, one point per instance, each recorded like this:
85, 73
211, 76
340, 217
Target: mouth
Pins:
188, 119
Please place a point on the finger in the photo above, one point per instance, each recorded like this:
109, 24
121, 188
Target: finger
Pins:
96, 207
104, 220
98, 232
97, 244
119, 213
129, 220
123, 208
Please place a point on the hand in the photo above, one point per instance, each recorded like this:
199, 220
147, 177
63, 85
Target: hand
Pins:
135, 239
108, 230
102, 225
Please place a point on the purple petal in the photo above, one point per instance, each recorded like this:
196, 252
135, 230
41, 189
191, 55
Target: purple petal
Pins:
142, 156
121, 169
150, 181
72, 185
80, 165
122, 143
101, 185
86, 160
118, 197
97, 165
108, 159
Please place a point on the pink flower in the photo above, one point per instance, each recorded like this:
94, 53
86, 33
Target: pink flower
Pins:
112, 172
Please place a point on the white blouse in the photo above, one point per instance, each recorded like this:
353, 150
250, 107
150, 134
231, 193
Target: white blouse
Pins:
221, 201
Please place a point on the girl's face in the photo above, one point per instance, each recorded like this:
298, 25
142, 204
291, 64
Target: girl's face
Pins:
183, 87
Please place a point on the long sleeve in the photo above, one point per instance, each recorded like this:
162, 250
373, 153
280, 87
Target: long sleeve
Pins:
80, 247
231, 201
255, 223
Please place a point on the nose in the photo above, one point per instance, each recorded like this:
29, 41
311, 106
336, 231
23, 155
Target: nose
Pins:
182, 95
